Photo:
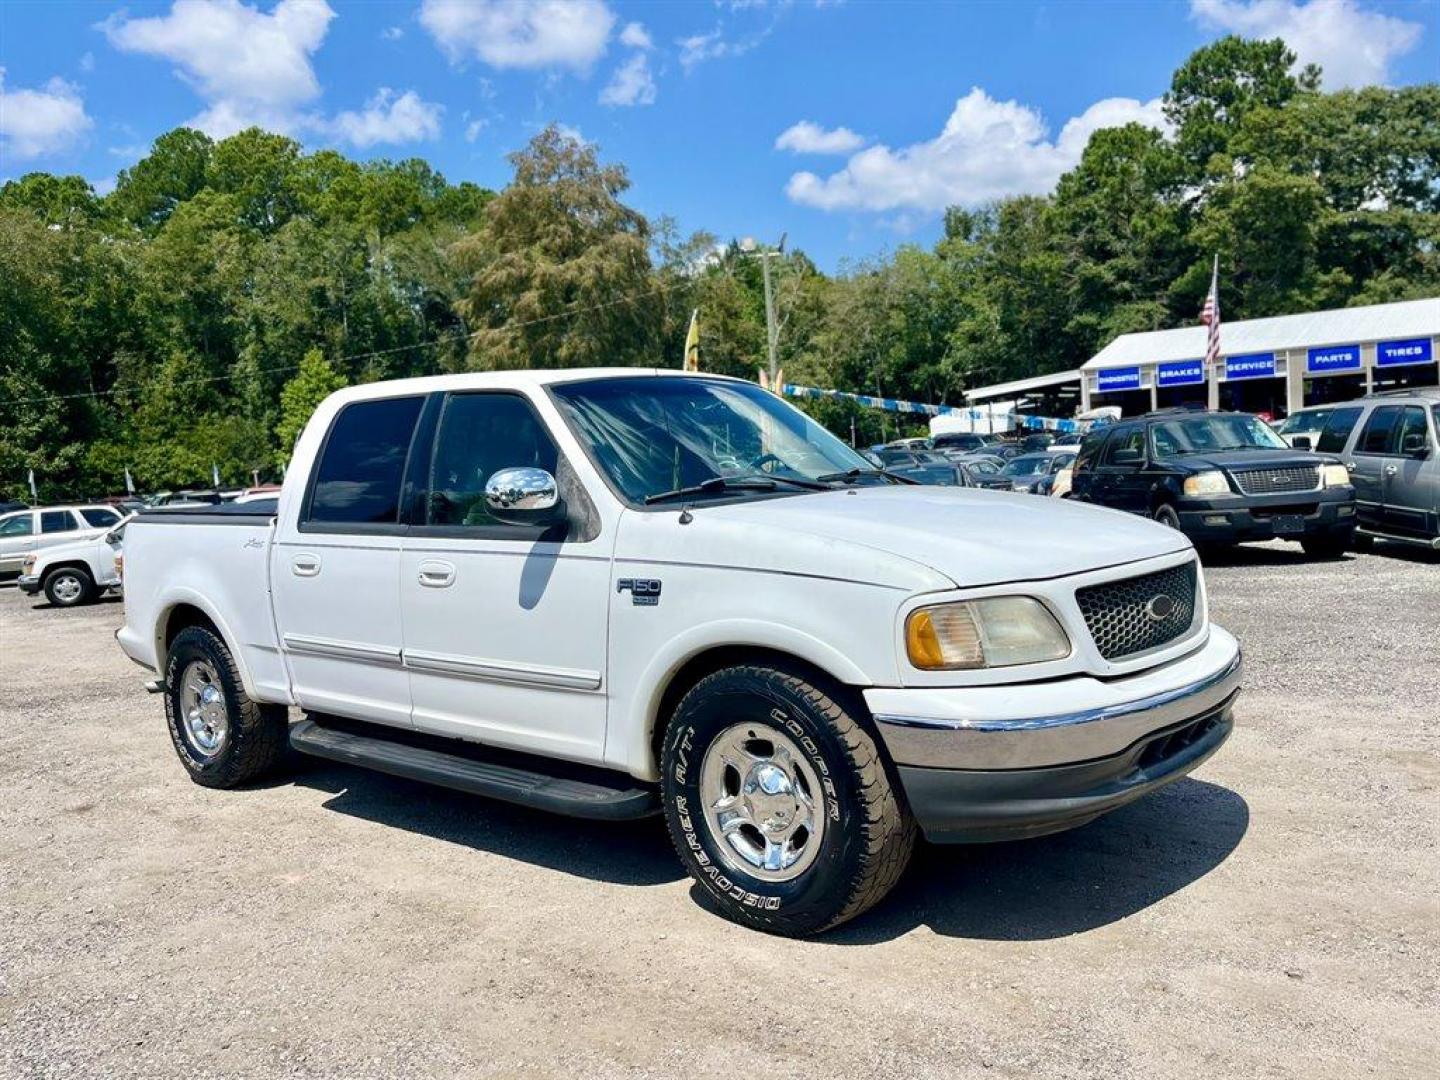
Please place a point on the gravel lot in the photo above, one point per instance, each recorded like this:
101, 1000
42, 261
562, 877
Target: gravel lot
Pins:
1277, 914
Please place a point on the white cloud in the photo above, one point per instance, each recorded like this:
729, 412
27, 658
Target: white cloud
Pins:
252, 67
810, 138
387, 118
34, 123
521, 33
473, 129
1355, 47
697, 48
87, 62
987, 149
392, 33
636, 36
632, 83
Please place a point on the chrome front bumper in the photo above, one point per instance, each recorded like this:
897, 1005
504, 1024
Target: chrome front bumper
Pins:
1057, 722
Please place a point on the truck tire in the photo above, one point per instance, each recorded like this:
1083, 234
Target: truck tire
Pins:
1327, 545
223, 737
1166, 514
69, 586
780, 803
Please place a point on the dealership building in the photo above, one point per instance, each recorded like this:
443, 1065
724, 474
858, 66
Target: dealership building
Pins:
1272, 365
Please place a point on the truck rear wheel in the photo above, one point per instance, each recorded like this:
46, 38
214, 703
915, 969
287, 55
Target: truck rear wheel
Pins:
223, 737
69, 586
780, 803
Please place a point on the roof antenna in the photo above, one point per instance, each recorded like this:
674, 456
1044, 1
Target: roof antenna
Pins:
685, 516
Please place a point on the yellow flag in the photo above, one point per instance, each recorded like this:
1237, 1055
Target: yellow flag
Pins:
692, 342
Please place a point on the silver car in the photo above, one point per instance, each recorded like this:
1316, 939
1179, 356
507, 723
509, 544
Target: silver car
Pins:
23, 532
1390, 442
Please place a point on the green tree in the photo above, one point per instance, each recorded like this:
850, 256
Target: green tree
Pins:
313, 383
562, 272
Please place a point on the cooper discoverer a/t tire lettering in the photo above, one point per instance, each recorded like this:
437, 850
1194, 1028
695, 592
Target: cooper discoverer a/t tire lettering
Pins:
779, 801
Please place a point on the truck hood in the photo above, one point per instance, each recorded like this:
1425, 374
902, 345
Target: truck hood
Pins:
973, 537
1229, 460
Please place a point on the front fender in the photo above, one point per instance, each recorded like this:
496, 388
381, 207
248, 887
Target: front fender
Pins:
639, 726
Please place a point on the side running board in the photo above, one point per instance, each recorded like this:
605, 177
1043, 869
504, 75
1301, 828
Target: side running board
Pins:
584, 793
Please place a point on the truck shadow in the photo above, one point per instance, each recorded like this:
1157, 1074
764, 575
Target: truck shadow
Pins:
1028, 890
1265, 555
622, 853
1054, 886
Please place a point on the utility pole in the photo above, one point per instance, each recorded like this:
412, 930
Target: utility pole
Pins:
772, 328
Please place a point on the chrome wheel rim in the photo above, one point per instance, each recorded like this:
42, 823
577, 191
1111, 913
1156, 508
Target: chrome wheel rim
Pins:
203, 717
66, 588
764, 805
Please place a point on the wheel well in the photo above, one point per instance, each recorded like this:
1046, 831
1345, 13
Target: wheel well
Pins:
72, 564
181, 617
723, 656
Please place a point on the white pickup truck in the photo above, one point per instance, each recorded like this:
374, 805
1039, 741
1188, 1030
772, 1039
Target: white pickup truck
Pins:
614, 593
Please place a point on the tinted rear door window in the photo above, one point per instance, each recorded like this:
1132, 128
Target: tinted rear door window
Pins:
1337, 430
99, 519
1414, 435
358, 479
1379, 434
1131, 438
57, 521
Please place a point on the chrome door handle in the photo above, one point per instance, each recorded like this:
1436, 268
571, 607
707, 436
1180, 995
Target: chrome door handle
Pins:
1391, 470
305, 565
435, 574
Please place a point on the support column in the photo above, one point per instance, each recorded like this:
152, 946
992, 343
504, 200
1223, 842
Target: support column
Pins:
1084, 392
1294, 383
1212, 389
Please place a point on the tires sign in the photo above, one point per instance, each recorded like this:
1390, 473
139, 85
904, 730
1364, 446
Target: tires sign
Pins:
1395, 353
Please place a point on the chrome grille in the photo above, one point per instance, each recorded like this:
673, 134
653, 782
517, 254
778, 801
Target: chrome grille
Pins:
1127, 617
1275, 481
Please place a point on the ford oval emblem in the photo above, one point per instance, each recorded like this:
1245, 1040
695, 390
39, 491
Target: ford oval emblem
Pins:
1160, 607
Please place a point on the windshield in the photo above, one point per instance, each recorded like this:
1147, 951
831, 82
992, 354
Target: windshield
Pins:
1030, 465
983, 468
1206, 434
1305, 423
653, 434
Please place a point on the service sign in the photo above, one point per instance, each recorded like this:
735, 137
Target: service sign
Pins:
1125, 378
1333, 358
1413, 351
1180, 373
1250, 366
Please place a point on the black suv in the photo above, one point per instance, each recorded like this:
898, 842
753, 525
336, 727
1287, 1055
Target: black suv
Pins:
1221, 478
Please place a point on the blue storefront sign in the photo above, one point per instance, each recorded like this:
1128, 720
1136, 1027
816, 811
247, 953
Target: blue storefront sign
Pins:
1125, 378
1250, 366
1180, 373
1333, 358
1412, 351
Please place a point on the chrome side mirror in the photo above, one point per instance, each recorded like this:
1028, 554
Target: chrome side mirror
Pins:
523, 496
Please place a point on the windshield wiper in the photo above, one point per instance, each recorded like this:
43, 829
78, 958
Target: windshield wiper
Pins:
719, 485
852, 475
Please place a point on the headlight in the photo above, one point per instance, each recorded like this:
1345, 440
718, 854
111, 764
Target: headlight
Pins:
1334, 476
996, 632
1212, 482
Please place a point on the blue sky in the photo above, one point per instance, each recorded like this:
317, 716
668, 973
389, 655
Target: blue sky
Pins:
848, 125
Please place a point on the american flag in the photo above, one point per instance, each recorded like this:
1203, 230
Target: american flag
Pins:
1210, 316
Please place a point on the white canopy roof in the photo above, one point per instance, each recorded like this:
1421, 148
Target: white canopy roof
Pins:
1020, 386
1342, 326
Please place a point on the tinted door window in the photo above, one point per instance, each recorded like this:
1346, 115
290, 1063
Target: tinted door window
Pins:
21, 525
57, 521
1089, 450
1126, 439
1413, 435
479, 435
1379, 434
1337, 430
358, 479
99, 519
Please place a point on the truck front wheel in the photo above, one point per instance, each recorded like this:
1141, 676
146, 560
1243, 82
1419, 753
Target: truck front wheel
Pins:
223, 737
69, 587
780, 803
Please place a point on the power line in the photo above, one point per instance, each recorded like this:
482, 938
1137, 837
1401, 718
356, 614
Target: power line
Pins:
117, 390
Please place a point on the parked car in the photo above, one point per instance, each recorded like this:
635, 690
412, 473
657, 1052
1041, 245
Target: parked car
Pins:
966, 441
185, 497
8, 506
1390, 443
1032, 474
75, 573
569, 595
1038, 440
25, 531
1068, 439
982, 472
255, 494
1303, 426
1221, 478
916, 443
922, 466
1005, 450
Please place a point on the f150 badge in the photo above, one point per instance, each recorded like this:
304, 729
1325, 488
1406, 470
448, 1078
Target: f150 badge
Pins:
644, 592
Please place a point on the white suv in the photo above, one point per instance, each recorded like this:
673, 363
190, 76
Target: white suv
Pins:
25, 531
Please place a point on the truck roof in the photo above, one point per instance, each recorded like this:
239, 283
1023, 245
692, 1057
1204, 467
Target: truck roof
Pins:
513, 380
